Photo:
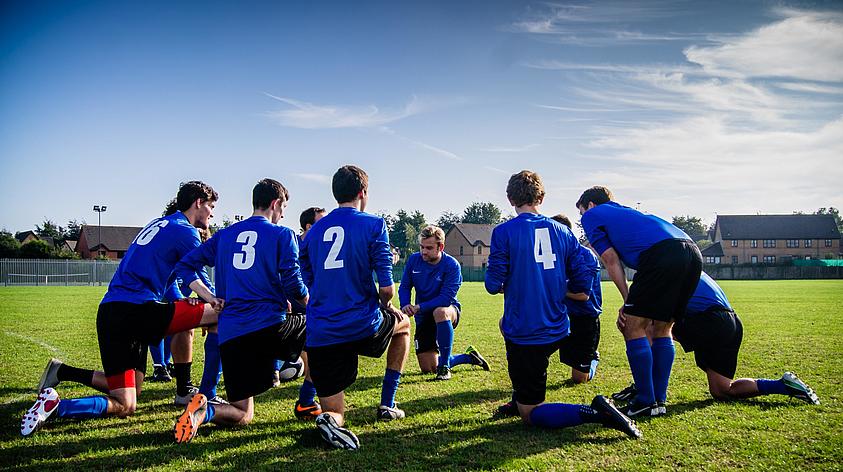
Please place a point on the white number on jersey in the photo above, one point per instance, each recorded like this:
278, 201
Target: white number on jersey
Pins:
149, 232
543, 250
244, 260
337, 235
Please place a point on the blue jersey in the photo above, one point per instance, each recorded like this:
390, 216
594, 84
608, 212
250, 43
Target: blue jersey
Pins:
257, 271
628, 231
535, 261
594, 305
339, 254
178, 289
294, 305
707, 295
145, 272
436, 285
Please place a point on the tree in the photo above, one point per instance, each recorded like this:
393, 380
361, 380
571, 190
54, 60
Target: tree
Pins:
48, 229
834, 212
73, 230
9, 246
448, 220
37, 250
482, 213
404, 230
692, 226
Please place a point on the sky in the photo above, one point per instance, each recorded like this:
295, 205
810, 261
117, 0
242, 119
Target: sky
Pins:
680, 107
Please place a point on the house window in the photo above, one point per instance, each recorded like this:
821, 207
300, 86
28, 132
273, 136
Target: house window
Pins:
734, 259
769, 259
709, 259
827, 243
769, 243
734, 243
480, 249
792, 243
754, 259
753, 243
808, 242
461, 250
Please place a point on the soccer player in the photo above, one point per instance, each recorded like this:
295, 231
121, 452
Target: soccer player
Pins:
713, 332
668, 265
131, 316
257, 270
579, 350
347, 316
534, 261
437, 277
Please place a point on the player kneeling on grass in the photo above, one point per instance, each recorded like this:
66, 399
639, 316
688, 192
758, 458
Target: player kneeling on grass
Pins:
534, 261
436, 277
347, 316
713, 332
257, 268
130, 316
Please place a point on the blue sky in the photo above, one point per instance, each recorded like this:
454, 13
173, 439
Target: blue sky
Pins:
686, 107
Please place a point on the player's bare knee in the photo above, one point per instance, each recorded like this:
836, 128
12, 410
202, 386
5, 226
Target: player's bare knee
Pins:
124, 410
402, 328
579, 377
245, 418
440, 314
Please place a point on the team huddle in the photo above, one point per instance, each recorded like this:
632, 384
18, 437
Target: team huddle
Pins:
321, 299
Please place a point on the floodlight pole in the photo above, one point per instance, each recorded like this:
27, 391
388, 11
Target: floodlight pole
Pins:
100, 209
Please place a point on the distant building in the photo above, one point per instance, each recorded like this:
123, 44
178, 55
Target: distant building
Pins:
469, 243
111, 242
755, 239
24, 237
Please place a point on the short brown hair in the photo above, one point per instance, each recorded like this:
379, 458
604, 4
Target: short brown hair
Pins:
189, 192
266, 191
524, 188
308, 217
348, 182
561, 218
597, 195
431, 231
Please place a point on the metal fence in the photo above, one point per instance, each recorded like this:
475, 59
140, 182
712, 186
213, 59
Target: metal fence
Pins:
56, 272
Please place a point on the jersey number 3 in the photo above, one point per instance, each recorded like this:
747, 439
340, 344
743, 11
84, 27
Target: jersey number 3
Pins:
543, 250
244, 260
337, 235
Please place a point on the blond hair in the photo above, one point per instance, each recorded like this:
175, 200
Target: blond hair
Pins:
431, 231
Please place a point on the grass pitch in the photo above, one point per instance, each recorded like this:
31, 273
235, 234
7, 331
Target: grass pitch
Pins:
789, 325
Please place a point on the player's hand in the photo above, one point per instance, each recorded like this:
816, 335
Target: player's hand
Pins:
204, 331
407, 309
192, 301
621, 323
217, 304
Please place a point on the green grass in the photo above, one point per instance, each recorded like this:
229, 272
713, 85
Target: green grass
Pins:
789, 325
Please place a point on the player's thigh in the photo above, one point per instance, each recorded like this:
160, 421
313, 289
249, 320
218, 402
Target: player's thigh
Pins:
443, 313
527, 367
425, 334
290, 338
248, 363
333, 368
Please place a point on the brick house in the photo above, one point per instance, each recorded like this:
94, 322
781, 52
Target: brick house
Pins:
754, 239
114, 243
469, 243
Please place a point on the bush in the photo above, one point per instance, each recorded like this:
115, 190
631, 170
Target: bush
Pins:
37, 250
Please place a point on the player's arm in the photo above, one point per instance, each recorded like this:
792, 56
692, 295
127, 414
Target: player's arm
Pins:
498, 267
613, 265
304, 262
405, 289
577, 297
192, 264
380, 258
451, 282
289, 270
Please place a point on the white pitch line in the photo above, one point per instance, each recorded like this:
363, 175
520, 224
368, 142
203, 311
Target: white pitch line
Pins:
35, 341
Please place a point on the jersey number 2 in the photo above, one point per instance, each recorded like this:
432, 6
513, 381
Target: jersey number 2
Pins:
337, 235
543, 250
244, 260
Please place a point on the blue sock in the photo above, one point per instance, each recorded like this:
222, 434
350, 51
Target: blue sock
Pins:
771, 387
157, 352
592, 371
86, 407
278, 364
663, 355
168, 356
640, 358
459, 360
445, 339
307, 393
209, 414
390, 385
213, 367
556, 415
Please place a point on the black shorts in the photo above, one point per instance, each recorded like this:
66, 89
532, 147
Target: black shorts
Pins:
527, 365
668, 273
333, 368
714, 337
124, 330
579, 348
248, 361
425, 336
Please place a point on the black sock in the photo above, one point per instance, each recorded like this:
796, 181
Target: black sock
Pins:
75, 374
181, 371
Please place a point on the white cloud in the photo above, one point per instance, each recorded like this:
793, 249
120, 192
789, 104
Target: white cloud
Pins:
806, 45
318, 178
310, 116
511, 149
496, 170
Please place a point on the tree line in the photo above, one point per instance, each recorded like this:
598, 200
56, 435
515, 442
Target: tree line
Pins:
41, 248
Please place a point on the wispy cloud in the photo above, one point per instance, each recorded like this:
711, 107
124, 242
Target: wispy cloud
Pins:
318, 178
496, 170
429, 147
511, 149
310, 116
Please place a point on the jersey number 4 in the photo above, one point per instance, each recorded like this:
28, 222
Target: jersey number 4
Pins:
543, 250
337, 235
245, 259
